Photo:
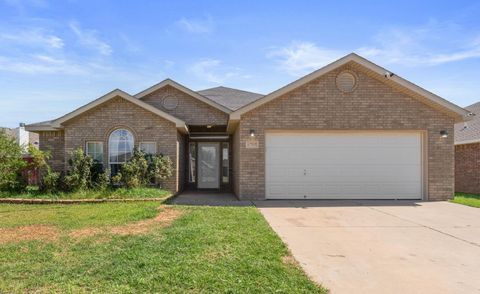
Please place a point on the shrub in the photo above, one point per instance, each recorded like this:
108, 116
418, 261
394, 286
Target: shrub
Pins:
50, 181
160, 168
143, 169
38, 158
102, 181
11, 163
134, 173
79, 176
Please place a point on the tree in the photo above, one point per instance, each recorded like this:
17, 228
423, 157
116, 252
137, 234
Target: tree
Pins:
11, 163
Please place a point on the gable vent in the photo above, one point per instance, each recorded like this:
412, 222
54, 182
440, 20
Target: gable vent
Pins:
346, 81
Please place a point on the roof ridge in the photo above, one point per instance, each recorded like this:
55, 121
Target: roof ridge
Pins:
240, 90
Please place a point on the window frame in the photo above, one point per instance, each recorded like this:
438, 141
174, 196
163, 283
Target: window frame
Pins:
148, 142
101, 153
225, 179
110, 146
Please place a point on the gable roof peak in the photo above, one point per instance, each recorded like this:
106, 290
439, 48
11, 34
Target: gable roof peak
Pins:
459, 113
182, 88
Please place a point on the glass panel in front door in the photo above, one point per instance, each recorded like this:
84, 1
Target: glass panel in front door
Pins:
208, 165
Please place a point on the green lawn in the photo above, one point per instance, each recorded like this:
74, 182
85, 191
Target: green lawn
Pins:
204, 250
107, 194
467, 199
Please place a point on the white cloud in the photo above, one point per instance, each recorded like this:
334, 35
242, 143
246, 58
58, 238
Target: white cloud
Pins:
429, 45
89, 39
41, 64
300, 57
196, 26
32, 37
213, 71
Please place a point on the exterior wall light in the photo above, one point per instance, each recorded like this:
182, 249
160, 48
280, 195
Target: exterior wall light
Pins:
443, 134
252, 133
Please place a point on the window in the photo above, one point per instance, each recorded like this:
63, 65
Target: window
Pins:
191, 162
95, 151
120, 148
225, 163
148, 147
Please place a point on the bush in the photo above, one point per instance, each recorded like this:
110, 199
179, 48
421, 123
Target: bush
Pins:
79, 177
134, 173
11, 164
102, 181
142, 170
160, 168
50, 181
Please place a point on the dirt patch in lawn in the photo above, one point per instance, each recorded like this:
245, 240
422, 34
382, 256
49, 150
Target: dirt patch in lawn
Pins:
163, 219
27, 233
50, 233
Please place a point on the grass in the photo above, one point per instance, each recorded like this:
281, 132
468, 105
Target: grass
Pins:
120, 193
205, 250
75, 216
467, 199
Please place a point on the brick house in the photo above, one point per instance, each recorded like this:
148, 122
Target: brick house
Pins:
350, 130
467, 153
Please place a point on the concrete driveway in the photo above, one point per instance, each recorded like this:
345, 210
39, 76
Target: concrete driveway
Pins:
382, 246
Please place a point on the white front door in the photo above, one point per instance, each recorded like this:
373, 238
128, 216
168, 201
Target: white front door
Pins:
208, 165
344, 165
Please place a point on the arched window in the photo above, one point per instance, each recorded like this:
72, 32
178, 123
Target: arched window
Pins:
120, 148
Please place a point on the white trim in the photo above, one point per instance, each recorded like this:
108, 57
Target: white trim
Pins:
467, 142
342, 61
31, 128
119, 93
109, 146
169, 82
97, 142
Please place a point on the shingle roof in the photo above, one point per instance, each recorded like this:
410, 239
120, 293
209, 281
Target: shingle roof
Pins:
470, 130
42, 123
229, 97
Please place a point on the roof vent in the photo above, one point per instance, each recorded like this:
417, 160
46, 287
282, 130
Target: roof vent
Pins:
170, 102
346, 81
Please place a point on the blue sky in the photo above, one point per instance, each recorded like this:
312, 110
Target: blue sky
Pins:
58, 55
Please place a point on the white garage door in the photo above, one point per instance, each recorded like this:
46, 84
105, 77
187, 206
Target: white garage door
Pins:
344, 165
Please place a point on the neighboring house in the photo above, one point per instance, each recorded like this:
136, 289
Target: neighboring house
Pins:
467, 153
21, 136
349, 130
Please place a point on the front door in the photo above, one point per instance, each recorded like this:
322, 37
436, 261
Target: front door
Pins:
208, 165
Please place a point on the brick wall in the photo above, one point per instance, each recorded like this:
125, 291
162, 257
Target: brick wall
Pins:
97, 124
189, 109
319, 105
54, 142
467, 168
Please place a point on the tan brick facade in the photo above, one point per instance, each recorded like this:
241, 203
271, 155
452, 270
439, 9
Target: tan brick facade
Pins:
319, 105
375, 104
467, 168
97, 124
54, 143
189, 109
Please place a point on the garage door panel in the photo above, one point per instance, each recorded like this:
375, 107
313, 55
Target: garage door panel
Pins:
354, 165
286, 191
326, 156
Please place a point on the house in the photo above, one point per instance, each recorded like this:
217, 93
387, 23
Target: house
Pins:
350, 130
467, 153
21, 136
